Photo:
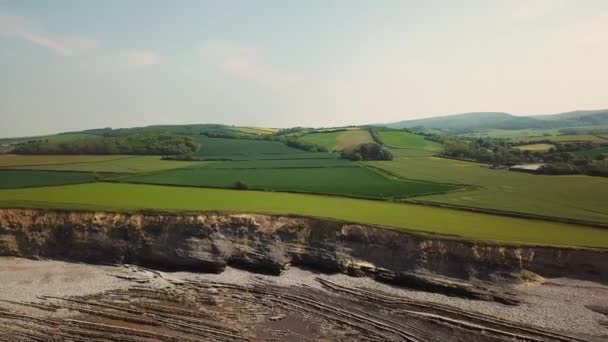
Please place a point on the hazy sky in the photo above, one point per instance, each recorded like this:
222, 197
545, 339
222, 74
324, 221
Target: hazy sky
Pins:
68, 65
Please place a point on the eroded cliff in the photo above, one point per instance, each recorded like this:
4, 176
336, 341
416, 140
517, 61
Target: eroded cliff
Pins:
209, 242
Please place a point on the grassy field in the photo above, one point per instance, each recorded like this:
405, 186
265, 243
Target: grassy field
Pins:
22, 179
397, 139
574, 197
346, 181
410, 152
338, 140
224, 146
121, 165
281, 163
256, 130
11, 160
535, 147
415, 218
271, 156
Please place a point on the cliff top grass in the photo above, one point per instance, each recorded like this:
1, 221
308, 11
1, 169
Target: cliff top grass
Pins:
407, 217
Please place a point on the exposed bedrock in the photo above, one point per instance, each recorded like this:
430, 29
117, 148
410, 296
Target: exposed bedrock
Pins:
262, 243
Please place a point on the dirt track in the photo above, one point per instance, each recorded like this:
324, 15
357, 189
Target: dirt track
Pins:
50, 300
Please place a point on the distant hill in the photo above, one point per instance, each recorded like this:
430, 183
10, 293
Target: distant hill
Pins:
498, 120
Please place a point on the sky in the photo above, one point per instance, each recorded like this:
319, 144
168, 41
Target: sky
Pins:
69, 64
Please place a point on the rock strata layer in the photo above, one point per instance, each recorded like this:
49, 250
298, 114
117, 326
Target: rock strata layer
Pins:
268, 244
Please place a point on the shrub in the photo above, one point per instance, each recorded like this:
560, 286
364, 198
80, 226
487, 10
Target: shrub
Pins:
241, 185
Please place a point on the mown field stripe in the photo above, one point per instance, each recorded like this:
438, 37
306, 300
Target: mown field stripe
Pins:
414, 218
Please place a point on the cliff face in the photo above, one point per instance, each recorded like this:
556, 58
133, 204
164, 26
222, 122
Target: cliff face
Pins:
210, 242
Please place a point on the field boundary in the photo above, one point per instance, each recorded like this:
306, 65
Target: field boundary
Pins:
14, 167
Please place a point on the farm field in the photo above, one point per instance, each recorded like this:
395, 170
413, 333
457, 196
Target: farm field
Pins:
410, 152
225, 146
573, 197
346, 181
414, 218
256, 130
338, 140
119, 165
535, 147
22, 179
398, 139
281, 163
271, 156
10, 160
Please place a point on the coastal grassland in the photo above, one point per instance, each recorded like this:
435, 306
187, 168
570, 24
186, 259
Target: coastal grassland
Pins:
572, 197
338, 140
414, 218
119, 165
400, 139
226, 146
21, 179
345, 181
11, 160
535, 147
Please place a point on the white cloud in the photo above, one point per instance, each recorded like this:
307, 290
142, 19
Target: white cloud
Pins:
245, 62
139, 58
21, 28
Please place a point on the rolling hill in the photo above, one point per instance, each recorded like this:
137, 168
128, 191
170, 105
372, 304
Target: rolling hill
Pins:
498, 120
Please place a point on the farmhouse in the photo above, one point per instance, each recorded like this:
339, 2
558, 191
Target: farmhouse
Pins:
530, 168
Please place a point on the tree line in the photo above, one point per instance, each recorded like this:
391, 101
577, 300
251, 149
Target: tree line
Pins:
136, 144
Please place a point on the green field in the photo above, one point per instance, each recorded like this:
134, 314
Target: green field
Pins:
338, 140
573, 197
410, 152
346, 181
398, 139
271, 156
225, 146
122, 165
415, 218
22, 179
11, 160
256, 130
281, 163
535, 147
